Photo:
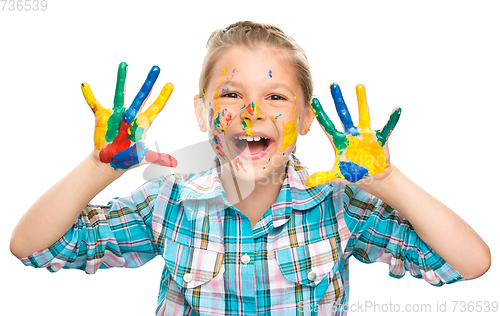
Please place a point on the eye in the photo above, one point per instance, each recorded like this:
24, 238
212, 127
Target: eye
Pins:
276, 97
230, 95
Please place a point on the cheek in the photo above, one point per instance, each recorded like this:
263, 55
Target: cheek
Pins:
219, 118
289, 130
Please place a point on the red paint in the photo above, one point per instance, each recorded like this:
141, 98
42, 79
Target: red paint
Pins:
120, 143
161, 159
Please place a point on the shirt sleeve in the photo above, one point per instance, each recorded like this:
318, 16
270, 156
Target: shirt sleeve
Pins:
381, 234
118, 234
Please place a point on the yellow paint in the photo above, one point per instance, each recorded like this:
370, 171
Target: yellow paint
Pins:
363, 150
366, 152
364, 117
325, 176
146, 118
294, 97
101, 117
290, 130
247, 125
248, 117
216, 93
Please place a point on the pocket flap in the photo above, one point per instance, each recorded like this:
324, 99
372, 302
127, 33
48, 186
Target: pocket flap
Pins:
308, 264
191, 267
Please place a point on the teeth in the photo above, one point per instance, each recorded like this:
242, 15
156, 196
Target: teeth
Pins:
250, 138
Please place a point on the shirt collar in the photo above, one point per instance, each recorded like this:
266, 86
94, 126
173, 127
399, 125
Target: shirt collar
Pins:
294, 193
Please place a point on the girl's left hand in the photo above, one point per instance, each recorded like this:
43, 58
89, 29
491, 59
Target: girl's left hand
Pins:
361, 154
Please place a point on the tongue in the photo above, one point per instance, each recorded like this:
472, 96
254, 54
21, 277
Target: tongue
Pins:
255, 147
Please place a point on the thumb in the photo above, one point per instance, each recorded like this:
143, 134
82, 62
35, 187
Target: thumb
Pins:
160, 159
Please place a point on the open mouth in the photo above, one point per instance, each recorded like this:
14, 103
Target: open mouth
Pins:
252, 145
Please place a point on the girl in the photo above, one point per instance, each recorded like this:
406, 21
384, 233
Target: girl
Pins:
256, 233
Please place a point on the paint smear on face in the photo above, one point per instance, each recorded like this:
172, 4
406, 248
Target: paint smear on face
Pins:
270, 73
237, 164
294, 96
252, 112
216, 93
290, 131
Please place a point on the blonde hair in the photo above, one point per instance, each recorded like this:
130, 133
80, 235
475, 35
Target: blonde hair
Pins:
252, 36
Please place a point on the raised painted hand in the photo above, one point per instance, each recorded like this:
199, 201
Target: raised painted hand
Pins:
119, 136
360, 152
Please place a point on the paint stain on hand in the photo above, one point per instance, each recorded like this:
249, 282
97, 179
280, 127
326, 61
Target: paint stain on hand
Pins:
358, 150
119, 131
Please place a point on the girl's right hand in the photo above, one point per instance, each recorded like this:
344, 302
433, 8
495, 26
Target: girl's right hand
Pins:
120, 133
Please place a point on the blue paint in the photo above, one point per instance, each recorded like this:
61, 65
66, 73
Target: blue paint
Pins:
342, 111
352, 172
142, 95
270, 73
129, 157
225, 90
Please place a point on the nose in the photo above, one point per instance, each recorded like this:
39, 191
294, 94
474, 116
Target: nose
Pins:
252, 112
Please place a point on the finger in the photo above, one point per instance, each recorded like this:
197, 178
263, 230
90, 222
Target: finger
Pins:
323, 177
383, 135
342, 111
102, 116
160, 159
120, 86
155, 108
90, 98
142, 95
338, 138
364, 116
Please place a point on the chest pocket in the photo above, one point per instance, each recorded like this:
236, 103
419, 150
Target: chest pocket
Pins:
308, 264
191, 267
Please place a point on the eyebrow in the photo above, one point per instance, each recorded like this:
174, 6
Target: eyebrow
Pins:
274, 85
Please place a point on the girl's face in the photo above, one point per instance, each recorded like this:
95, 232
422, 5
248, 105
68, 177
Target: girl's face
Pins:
254, 110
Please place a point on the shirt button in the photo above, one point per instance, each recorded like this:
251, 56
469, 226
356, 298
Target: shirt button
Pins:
245, 259
311, 276
187, 277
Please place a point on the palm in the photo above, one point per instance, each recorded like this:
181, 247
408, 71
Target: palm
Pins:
360, 152
119, 135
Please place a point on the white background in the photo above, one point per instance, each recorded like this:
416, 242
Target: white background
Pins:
438, 60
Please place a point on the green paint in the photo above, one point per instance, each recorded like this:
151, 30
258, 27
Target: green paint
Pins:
114, 124
276, 117
136, 132
120, 85
383, 135
339, 139
217, 123
244, 106
118, 108
246, 127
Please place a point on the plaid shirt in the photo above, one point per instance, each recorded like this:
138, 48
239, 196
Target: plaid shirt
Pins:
293, 262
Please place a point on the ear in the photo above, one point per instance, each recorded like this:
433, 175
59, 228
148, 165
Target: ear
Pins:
308, 119
199, 111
